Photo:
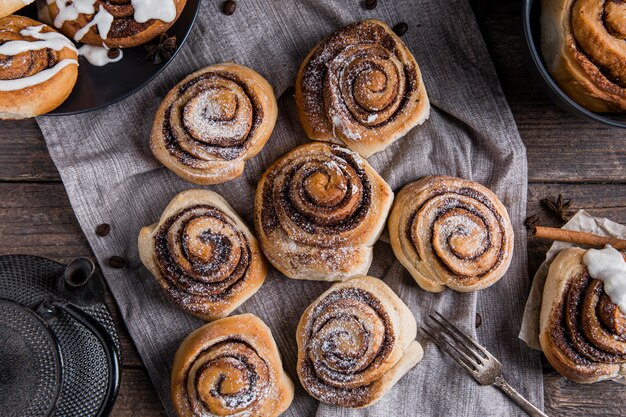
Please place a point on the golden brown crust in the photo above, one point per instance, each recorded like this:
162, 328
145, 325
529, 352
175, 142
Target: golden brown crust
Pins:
125, 32
575, 327
584, 46
362, 87
203, 255
318, 211
213, 121
355, 342
8, 7
450, 232
230, 367
40, 98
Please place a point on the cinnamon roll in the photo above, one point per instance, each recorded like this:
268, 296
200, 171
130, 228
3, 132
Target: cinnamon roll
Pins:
203, 255
361, 86
355, 342
114, 23
230, 367
450, 232
212, 122
318, 211
582, 332
9, 6
584, 46
38, 68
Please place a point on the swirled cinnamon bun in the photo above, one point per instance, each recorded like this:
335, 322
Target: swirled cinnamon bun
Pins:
212, 122
318, 211
230, 367
362, 87
450, 232
584, 46
9, 6
582, 332
203, 255
38, 68
355, 342
114, 23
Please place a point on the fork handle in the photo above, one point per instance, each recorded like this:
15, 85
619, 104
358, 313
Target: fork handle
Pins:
515, 396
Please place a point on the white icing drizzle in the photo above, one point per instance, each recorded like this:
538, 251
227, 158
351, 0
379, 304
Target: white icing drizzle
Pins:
51, 40
98, 55
608, 266
163, 10
102, 20
27, 1
71, 9
41, 77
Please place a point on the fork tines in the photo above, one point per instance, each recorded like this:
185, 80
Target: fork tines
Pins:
462, 348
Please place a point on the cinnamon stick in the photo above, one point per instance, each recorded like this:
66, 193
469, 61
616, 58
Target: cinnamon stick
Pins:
580, 238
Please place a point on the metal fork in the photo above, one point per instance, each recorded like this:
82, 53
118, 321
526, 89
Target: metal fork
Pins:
481, 364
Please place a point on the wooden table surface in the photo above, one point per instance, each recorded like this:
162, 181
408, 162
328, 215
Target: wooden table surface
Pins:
584, 161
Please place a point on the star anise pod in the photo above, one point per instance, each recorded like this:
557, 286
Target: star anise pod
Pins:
162, 50
559, 207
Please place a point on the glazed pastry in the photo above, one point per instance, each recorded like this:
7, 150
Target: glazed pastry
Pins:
584, 46
582, 331
114, 23
355, 342
230, 367
203, 255
362, 87
318, 211
450, 232
9, 6
38, 68
212, 122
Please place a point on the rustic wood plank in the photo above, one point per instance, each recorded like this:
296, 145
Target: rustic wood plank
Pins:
24, 156
137, 396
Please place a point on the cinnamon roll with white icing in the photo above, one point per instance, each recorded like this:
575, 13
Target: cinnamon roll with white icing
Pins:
10, 6
319, 210
38, 68
203, 255
355, 342
451, 232
114, 23
361, 87
213, 121
230, 367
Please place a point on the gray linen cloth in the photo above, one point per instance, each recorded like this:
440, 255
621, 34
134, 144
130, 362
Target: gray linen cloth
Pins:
111, 177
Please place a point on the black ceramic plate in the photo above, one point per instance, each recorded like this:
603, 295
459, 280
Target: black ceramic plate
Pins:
98, 87
536, 65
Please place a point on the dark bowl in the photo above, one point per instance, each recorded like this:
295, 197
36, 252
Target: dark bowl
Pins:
532, 33
98, 87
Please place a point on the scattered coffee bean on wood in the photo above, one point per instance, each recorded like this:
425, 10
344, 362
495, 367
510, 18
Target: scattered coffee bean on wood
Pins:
479, 320
229, 7
401, 28
103, 229
370, 4
531, 221
117, 262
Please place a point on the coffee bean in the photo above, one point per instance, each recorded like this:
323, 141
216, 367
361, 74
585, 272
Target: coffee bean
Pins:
117, 262
103, 229
479, 320
401, 28
113, 53
229, 7
370, 4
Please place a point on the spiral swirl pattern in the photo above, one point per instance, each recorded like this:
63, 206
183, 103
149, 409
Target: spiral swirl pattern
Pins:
350, 339
203, 255
585, 47
38, 68
318, 211
583, 332
116, 27
451, 232
213, 121
230, 367
362, 86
